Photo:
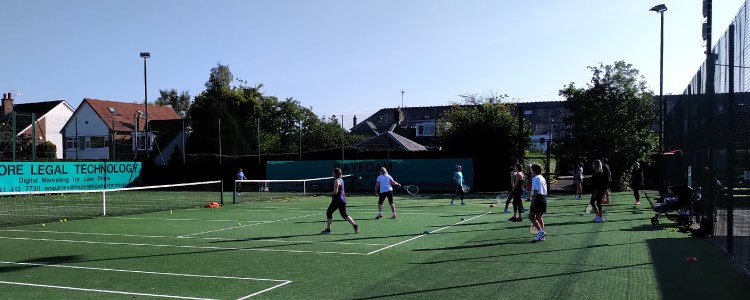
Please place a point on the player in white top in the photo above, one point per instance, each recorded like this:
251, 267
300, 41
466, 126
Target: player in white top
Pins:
538, 202
384, 189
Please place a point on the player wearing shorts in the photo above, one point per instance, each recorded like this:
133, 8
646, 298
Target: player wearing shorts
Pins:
384, 189
538, 202
240, 176
338, 202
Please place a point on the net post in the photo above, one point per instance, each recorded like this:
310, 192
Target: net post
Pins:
104, 203
304, 188
234, 192
221, 193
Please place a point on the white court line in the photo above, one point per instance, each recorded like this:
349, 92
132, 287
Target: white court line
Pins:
170, 219
282, 282
236, 227
141, 272
100, 291
419, 236
266, 290
196, 238
181, 246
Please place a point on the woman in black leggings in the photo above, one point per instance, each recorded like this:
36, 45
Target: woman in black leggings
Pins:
599, 182
338, 201
517, 192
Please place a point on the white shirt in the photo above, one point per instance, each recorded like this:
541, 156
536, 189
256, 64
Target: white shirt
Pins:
539, 184
385, 183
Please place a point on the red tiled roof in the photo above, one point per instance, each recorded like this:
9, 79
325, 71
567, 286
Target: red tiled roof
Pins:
125, 116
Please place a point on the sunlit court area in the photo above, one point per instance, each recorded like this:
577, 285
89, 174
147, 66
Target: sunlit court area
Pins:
474, 149
272, 249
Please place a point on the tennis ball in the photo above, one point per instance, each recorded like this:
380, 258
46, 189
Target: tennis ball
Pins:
360, 177
65, 220
60, 221
170, 211
239, 224
43, 225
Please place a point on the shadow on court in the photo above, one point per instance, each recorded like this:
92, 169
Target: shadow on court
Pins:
52, 260
418, 292
517, 241
675, 273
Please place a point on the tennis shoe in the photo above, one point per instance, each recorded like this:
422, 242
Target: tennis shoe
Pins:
327, 231
378, 216
598, 219
507, 211
637, 203
393, 217
356, 228
463, 203
540, 236
452, 203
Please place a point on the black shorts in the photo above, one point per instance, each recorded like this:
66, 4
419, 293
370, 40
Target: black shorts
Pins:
576, 180
539, 204
382, 196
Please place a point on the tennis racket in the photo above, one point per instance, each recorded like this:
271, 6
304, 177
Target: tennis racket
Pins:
465, 188
500, 199
532, 229
413, 190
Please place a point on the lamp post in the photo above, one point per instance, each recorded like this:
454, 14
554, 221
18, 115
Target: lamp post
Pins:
661, 8
146, 55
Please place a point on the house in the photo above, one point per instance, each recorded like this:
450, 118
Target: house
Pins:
415, 128
412, 127
48, 118
102, 129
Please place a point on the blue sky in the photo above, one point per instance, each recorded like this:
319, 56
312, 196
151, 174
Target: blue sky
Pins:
343, 57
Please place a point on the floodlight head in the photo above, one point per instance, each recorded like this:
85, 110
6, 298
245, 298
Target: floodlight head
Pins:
145, 54
659, 8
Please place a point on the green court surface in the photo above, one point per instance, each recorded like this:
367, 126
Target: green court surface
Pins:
273, 250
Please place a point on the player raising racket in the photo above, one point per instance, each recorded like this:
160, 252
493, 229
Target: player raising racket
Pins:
384, 189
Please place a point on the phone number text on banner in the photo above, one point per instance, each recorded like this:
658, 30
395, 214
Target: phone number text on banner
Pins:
59, 176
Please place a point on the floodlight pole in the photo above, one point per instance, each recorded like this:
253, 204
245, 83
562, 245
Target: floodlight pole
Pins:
146, 55
661, 8
402, 98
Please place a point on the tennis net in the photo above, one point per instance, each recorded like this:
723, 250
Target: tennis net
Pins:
281, 189
17, 208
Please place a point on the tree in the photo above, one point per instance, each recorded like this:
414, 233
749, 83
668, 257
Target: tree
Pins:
611, 118
179, 102
249, 117
486, 129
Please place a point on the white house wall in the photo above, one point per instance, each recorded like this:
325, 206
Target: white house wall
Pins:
55, 120
85, 123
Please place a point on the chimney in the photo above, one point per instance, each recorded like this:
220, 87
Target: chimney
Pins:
7, 104
354, 123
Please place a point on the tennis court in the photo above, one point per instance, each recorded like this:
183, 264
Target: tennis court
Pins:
272, 249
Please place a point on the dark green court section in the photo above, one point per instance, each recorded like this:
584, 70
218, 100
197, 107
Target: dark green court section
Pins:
272, 250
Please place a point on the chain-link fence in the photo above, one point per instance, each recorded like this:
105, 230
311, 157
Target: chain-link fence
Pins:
707, 140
